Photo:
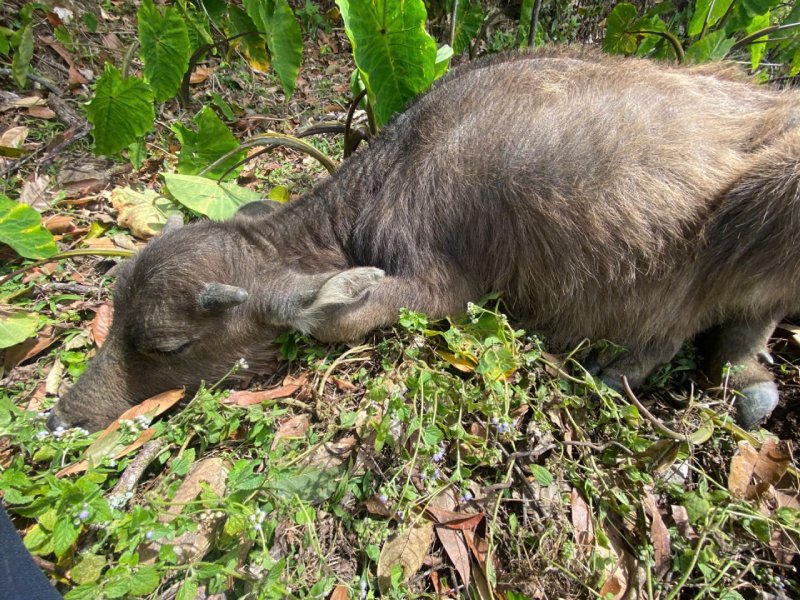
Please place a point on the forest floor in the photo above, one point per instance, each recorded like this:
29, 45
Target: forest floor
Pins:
441, 459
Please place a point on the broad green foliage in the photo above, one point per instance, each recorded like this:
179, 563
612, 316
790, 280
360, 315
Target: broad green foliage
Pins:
204, 196
164, 48
16, 327
393, 52
208, 141
275, 19
469, 18
22, 57
21, 228
121, 111
710, 31
706, 14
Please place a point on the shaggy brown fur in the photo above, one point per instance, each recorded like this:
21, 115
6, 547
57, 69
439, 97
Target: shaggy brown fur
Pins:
607, 198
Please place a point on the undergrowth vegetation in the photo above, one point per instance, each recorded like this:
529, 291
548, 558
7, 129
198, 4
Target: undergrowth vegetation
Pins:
449, 457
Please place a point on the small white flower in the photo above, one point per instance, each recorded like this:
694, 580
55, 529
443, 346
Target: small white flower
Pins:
242, 364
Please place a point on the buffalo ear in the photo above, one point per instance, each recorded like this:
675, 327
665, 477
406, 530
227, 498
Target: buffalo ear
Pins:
220, 296
258, 208
342, 289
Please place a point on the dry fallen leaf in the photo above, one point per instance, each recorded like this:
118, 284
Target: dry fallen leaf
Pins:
407, 549
41, 112
109, 442
340, 592
31, 347
681, 517
102, 323
456, 549
292, 428
247, 398
582, 522
192, 546
659, 535
144, 213
749, 468
34, 193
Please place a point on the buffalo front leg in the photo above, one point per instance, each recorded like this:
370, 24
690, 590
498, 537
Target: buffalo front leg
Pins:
733, 353
354, 302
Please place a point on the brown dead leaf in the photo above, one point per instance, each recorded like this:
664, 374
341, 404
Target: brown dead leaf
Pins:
792, 331
29, 101
145, 213
291, 429
749, 468
343, 384
37, 398
581, 522
34, 193
407, 549
41, 112
102, 323
454, 520
59, 224
340, 592
31, 347
14, 137
681, 517
247, 398
200, 74
108, 443
456, 549
331, 455
659, 535
376, 506
192, 546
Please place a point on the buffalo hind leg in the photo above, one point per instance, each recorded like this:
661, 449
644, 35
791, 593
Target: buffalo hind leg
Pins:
743, 346
635, 364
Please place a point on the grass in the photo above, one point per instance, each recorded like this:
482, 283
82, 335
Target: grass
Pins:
551, 478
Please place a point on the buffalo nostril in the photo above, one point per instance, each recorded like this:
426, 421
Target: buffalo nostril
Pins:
54, 422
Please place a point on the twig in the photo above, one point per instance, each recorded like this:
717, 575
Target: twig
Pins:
73, 288
650, 416
598, 447
35, 78
122, 492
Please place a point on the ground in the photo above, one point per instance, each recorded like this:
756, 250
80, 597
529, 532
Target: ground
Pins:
457, 459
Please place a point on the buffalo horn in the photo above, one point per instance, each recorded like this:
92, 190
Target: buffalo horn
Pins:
220, 296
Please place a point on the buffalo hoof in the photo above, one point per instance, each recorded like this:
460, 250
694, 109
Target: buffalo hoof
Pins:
54, 422
755, 403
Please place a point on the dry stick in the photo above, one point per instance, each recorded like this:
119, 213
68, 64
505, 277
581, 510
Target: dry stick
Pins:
650, 416
537, 6
36, 79
121, 493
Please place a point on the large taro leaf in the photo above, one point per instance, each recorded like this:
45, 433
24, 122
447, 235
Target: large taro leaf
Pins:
620, 23
164, 48
16, 327
276, 20
21, 228
393, 52
714, 46
217, 201
469, 18
121, 111
206, 143
707, 12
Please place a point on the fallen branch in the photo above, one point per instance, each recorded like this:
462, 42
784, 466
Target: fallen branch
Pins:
650, 416
123, 491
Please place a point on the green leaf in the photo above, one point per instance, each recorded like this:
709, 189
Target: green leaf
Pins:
21, 61
714, 46
757, 49
284, 38
188, 590
524, 29
210, 140
121, 111
88, 570
21, 228
198, 28
253, 45
702, 15
542, 475
443, 56
143, 581
620, 23
16, 327
164, 48
216, 201
469, 17
393, 52
64, 535
760, 7
309, 484
90, 20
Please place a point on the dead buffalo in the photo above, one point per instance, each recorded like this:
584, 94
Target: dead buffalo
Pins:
605, 198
